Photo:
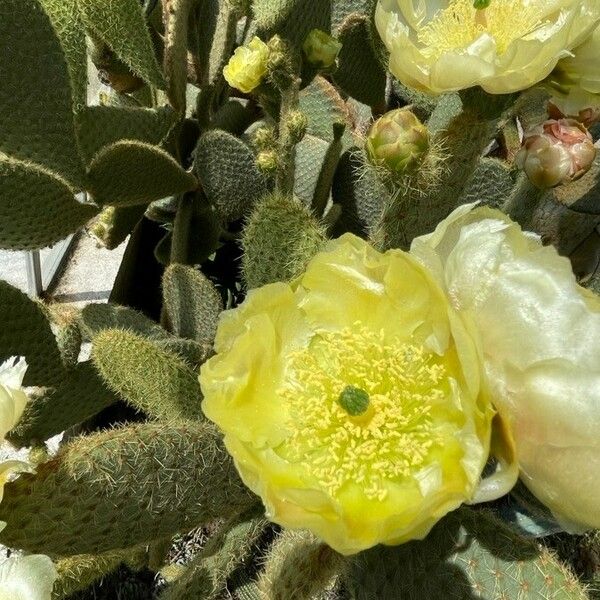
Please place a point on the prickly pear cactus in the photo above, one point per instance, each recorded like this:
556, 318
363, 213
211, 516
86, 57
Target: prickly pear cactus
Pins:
232, 142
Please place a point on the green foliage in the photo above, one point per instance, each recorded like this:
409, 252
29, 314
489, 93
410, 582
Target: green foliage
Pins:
26, 332
79, 396
120, 488
130, 172
67, 23
147, 376
310, 157
206, 577
115, 223
37, 207
101, 126
492, 183
357, 56
467, 556
299, 566
192, 305
228, 173
36, 119
279, 239
120, 25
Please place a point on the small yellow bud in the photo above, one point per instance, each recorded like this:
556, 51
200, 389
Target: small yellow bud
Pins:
296, 122
267, 161
248, 66
321, 49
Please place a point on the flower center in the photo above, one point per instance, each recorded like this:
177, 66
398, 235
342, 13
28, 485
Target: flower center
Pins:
461, 23
361, 409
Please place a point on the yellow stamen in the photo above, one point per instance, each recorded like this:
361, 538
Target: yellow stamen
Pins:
460, 24
391, 439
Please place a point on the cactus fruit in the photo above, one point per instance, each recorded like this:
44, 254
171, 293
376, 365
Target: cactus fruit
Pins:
147, 376
270, 256
122, 487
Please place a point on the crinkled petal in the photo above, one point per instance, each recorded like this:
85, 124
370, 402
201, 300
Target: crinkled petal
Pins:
12, 398
540, 335
27, 578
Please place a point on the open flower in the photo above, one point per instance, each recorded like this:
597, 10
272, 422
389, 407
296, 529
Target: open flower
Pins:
27, 578
540, 334
445, 45
576, 82
247, 67
12, 403
351, 400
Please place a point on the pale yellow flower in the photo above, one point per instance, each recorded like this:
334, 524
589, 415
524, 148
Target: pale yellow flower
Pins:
540, 334
247, 67
321, 49
27, 578
12, 398
351, 400
448, 45
576, 80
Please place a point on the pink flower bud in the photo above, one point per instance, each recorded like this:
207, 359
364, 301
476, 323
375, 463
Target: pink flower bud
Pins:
558, 151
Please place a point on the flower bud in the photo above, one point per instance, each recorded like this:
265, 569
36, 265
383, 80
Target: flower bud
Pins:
321, 49
296, 123
558, 151
397, 140
267, 161
248, 66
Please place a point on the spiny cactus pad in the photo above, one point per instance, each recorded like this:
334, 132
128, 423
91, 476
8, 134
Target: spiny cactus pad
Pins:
131, 172
191, 304
37, 110
37, 207
469, 555
81, 395
101, 126
123, 487
26, 332
120, 25
226, 169
147, 376
281, 236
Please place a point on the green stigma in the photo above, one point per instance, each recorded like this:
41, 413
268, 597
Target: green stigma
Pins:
481, 4
354, 401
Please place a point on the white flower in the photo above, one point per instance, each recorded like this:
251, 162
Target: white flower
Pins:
540, 334
27, 578
445, 45
12, 398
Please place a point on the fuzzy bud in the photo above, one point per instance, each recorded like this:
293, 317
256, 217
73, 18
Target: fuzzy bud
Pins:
320, 49
267, 161
279, 66
247, 67
397, 141
558, 151
296, 123
264, 138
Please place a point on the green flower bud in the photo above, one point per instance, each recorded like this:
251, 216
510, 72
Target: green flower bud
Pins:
296, 122
248, 65
267, 161
397, 141
321, 49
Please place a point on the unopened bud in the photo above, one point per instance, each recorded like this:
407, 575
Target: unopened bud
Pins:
267, 161
265, 138
320, 49
558, 151
296, 123
247, 67
397, 141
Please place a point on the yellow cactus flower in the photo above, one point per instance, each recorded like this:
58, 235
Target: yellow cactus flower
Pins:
576, 81
351, 399
12, 398
504, 46
540, 334
320, 49
27, 578
248, 66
